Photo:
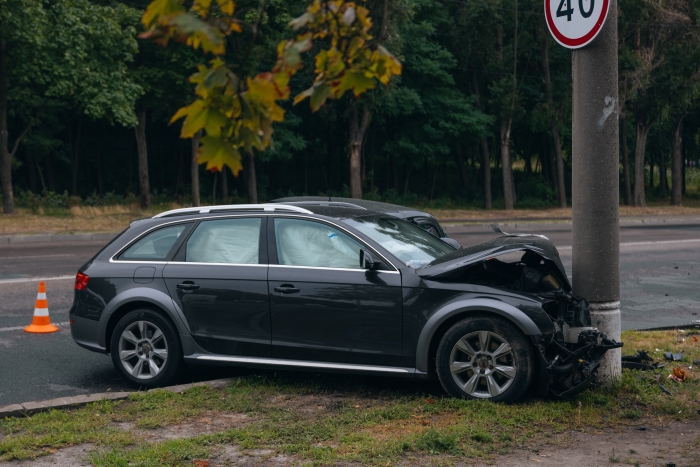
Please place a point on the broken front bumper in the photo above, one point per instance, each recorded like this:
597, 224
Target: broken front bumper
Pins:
570, 357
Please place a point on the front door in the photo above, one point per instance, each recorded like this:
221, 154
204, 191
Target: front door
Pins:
323, 306
219, 280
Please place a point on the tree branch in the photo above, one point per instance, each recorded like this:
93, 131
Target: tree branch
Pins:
385, 21
255, 32
26, 130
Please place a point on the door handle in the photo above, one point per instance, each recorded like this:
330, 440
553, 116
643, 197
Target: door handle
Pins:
286, 289
188, 285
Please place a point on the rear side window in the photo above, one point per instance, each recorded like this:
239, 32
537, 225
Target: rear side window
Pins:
155, 246
227, 241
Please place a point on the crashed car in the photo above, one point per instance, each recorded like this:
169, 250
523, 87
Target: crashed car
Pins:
337, 288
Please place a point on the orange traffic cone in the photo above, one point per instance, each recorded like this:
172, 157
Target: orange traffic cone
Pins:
41, 324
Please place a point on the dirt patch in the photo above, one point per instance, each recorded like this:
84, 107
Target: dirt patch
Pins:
312, 403
67, 457
204, 424
676, 442
230, 456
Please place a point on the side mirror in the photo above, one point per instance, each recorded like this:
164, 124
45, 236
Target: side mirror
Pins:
366, 261
452, 242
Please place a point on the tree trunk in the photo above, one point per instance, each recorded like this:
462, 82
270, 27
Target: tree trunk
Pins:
408, 177
100, 180
545, 158
432, 188
252, 186
683, 176
486, 163
561, 187
505, 163
224, 183
194, 167
215, 176
31, 168
144, 188
357, 135
677, 162
8, 200
625, 160
639, 150
463, 176
75, 148
662, 175
179, 172
551, 163
50, 179
506, 122
556, 139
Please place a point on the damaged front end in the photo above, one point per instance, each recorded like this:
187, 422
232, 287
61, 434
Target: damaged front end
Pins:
570, 357
570, 351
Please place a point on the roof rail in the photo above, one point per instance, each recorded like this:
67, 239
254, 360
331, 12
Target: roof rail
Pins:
341, 204
233, 207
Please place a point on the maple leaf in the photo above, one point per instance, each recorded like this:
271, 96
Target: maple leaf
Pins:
216, 153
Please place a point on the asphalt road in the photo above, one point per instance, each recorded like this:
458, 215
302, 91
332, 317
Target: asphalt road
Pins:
660, 273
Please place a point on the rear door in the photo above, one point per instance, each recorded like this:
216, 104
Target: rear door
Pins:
323, 306
219, 280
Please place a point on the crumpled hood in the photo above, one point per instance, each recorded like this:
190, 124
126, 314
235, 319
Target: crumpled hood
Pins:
496, 247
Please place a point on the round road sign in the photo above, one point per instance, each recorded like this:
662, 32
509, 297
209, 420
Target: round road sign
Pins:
575, 23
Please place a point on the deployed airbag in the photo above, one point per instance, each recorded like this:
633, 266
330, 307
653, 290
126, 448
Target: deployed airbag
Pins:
304, 243
232, 241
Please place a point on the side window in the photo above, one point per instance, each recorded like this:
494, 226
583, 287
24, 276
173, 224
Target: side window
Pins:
307, 243
155, 246
228, 241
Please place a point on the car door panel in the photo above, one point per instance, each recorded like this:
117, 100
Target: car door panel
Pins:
335, 314
229, 313
226, 305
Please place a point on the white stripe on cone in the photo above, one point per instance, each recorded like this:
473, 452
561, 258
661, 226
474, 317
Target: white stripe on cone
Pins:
41, 296
41, 312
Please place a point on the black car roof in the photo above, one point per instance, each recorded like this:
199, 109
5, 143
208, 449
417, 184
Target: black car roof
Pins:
376, 206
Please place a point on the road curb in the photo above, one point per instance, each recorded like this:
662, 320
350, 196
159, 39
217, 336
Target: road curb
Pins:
43, 238
30, 408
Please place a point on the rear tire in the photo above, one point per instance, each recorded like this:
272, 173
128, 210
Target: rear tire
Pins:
485, 357
146, 349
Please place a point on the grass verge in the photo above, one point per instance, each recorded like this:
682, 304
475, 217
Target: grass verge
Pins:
329, 419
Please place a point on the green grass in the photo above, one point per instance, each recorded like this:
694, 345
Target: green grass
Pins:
327, 419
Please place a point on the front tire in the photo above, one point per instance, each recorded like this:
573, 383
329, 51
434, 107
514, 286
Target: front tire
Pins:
485, 357
145, 349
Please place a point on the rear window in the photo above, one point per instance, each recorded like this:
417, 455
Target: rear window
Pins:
155, 246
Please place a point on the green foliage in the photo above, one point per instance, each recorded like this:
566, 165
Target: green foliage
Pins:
73, 51
237, 112
83, 57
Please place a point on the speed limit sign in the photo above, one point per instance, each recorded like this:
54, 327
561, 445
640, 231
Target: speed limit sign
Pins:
575, 23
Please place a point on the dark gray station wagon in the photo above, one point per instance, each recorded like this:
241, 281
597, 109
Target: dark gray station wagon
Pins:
335, 287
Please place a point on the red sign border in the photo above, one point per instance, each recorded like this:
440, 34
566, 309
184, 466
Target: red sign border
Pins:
581, 41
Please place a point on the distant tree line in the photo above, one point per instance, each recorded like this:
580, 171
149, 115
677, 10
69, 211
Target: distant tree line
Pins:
481, 114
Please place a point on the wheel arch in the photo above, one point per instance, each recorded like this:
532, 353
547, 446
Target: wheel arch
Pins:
141, 298
454, 311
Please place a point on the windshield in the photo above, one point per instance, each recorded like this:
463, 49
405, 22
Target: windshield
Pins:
412, 245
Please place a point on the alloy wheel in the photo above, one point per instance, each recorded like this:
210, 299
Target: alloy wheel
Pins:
482, 364
143, 350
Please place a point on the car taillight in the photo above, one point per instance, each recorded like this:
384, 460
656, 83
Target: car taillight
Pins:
81, 281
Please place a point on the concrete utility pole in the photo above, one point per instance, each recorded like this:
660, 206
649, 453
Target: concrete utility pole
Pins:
595, 189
